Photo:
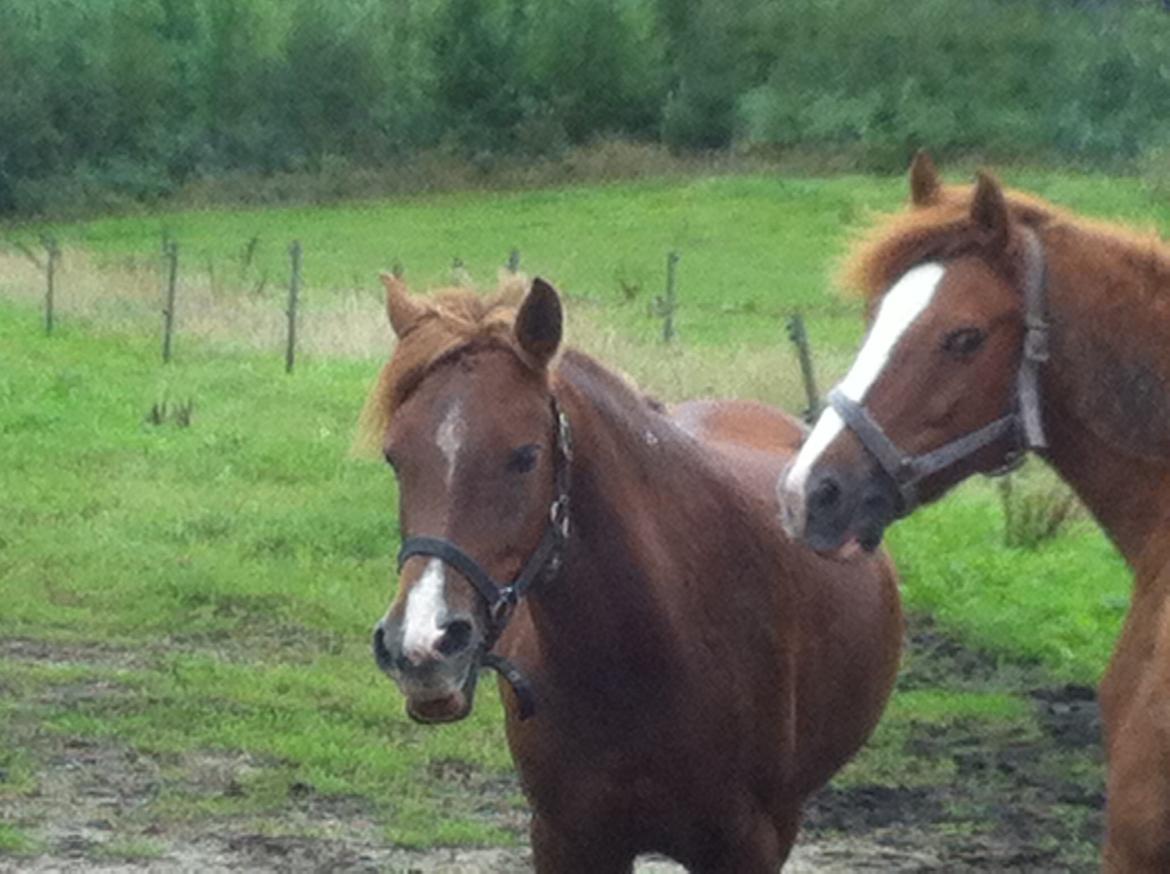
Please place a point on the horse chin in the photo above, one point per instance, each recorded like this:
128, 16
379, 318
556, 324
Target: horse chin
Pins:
444, 708
848, 551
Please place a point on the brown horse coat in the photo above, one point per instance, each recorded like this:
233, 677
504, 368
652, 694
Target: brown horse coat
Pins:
696, 673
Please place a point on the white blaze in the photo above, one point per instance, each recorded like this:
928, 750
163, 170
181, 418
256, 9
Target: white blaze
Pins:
899, 309
426, 606
450, 436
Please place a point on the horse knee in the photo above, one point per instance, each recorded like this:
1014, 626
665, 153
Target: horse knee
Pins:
555, 851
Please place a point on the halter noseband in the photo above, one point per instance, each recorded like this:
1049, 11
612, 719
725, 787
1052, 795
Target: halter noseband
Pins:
908, 471
542, 564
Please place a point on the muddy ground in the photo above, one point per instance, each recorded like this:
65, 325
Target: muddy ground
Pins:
1015, 800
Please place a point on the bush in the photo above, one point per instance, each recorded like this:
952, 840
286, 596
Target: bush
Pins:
1034, 513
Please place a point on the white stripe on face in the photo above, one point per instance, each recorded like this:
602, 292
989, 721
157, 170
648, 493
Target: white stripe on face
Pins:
426, 605
899, 309
450, 436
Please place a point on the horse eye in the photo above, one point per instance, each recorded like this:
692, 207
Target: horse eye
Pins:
523, 459
964, 342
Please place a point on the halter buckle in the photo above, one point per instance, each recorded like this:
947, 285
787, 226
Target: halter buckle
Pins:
564, 435
558, 516
501, 611
1036, 341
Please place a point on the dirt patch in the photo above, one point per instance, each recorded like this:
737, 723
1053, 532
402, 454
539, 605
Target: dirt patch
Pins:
83, 654
1016, 795
1024, 797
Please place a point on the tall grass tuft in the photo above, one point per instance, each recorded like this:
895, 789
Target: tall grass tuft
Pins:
1035, 511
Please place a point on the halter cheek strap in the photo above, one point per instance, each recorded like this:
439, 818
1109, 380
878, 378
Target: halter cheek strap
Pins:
1026, 422
542, 564
1036, 342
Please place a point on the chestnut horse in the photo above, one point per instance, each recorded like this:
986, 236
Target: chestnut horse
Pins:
1003, 324
680, 675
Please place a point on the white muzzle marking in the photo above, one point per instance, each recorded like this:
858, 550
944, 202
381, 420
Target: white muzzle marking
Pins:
426, 607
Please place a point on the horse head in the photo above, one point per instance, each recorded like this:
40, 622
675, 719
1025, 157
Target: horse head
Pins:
479, 450
942, 387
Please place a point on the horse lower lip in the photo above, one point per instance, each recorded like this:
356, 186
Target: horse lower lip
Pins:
850, 550
446, 709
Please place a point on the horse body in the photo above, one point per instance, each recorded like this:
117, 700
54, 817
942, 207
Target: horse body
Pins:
1121, 472
695, 673
694, 716
1105, 403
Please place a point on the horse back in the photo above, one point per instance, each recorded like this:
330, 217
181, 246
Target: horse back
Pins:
729, 426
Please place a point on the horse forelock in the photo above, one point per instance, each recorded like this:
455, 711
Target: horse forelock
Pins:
896, 242
455, 321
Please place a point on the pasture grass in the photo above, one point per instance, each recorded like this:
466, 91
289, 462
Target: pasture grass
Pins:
15, 842
213, 585
221, 578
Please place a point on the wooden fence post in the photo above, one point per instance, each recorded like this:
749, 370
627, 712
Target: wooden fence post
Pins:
459, 275
53, 254
670, 302
798, 336
294, 292
171, 254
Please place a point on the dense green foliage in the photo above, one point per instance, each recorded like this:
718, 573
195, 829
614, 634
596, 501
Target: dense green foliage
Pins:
111, 100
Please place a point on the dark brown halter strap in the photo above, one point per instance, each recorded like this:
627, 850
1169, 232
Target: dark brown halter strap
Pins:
542, 564
1026, 422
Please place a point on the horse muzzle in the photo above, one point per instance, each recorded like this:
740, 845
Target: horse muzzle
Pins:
439, 687
839, 514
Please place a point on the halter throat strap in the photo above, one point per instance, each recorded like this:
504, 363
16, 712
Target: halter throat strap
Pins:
1025, 422
543, 564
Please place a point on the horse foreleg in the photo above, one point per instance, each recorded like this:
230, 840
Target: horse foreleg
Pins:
1136, 709
557, 851
762, 850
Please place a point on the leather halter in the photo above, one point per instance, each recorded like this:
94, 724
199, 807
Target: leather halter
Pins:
1025, 422
542, 564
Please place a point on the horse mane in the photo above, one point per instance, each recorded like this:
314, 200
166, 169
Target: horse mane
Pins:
898, 241
611, 392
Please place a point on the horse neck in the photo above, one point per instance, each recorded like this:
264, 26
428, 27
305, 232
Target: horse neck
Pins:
1107, 392
603, 613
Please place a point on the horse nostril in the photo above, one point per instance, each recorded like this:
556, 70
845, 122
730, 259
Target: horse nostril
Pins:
456, 637
381, 653
826, 494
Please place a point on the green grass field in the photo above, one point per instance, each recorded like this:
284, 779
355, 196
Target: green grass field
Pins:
216, 583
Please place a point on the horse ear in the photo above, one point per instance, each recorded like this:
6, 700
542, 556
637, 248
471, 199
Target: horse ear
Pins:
925, 185
539, 322
989, 210
403, 311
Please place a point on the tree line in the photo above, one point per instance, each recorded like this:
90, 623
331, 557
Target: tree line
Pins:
139, 97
